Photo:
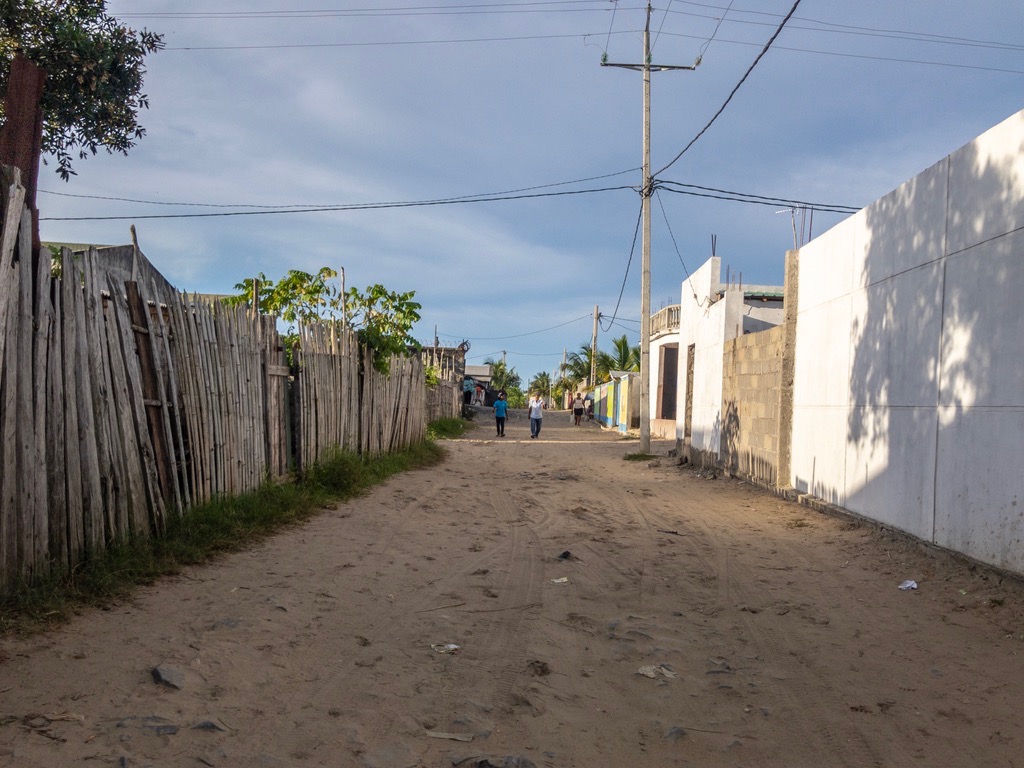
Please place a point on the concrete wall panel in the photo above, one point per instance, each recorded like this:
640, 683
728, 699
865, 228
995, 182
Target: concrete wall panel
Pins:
983, 329
819, 452
826, 265
897, 325
979, 497
883, 485
903, 230
823, 355
986, 186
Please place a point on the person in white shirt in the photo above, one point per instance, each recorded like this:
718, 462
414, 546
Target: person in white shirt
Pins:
535, 408
578, 409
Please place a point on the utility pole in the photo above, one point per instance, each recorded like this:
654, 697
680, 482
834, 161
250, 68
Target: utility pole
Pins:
645, 269
593, 352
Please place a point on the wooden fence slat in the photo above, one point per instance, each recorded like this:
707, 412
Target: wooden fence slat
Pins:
40, 555
133, 380
93, 506
114, 504
56, 468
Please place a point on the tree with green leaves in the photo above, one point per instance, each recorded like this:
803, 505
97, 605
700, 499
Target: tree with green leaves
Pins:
577, 365
503, 377
94, 67
541, 382
623, 357
382, 319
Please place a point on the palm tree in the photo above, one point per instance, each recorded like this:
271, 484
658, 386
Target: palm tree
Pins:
541, 382
502, 377
577, 365
623, 357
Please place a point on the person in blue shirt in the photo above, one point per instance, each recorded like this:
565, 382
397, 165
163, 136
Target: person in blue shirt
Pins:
500, 412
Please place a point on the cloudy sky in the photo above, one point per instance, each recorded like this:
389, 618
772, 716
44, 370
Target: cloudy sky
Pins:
264, 107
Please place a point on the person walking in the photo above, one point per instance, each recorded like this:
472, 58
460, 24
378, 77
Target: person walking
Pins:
535, 408
578, 409
500, 412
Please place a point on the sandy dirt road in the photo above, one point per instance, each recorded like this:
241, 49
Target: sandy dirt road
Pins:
695, 622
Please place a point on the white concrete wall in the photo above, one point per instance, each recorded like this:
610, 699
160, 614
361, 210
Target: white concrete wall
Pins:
909, 381
694, 307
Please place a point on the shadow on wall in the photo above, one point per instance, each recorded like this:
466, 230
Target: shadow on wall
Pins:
934, 338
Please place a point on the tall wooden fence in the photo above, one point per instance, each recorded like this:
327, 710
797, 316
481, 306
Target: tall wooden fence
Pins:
124, 402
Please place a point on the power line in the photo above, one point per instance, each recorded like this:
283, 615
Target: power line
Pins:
866, 57
754, 201
743, 79
335, 205
629, 262
851, 29
520, 335
742, 197
400, 12
337, 208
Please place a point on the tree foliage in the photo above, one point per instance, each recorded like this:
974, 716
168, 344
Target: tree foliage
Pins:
541, 382
623, 357
382, 319
503, 377
94, 65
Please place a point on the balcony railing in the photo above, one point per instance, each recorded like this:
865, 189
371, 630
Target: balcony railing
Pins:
665, 321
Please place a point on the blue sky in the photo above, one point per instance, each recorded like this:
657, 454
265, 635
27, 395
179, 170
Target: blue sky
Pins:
260, 105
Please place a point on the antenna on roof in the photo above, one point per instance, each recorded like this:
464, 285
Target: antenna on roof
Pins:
714, 244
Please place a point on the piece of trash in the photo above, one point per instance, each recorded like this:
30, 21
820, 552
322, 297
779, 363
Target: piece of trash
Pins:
450, 736
446, 647
658, 670
567, 555
908, 584
563, 580
963, 591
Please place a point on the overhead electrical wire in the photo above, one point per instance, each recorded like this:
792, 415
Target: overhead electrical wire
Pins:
401, 11
747, 197
629, 262
480, 195
520, 335
337, 208
743, 79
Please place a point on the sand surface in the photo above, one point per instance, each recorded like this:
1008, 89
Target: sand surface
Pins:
696, 621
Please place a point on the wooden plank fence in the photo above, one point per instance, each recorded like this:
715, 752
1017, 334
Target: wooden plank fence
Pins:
123, 402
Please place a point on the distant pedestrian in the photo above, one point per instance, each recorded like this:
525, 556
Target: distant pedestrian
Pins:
578, 409
479, 399
535, 408
500, 412
467, 390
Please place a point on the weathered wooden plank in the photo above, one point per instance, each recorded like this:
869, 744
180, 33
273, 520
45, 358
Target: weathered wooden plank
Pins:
55, 459
93, 506
133, 375
173, 393
124, 428
26, 420
158, 341
150, 390
8, 450
12, 198
115, 509
41, 356
71, 295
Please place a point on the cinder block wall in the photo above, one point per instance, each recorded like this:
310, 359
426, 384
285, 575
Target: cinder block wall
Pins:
751, 384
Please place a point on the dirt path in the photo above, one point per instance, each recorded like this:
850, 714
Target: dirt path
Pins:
695, 622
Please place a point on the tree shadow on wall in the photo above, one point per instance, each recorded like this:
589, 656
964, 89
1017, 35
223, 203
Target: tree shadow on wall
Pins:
928, 333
